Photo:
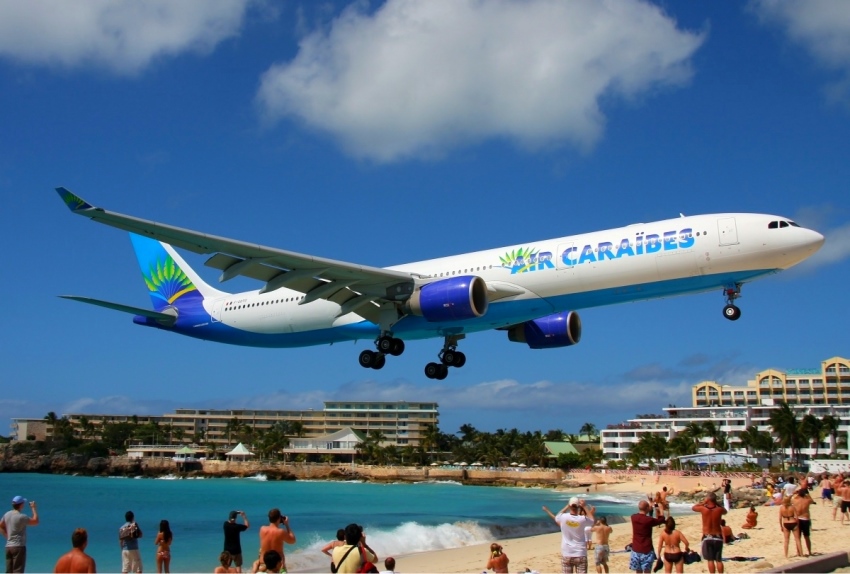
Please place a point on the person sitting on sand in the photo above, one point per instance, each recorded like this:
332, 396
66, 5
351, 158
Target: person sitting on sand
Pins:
752, 518
498, 561
726, 532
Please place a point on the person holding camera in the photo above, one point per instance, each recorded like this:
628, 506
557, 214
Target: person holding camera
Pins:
274, 534
348, 558
128, 539
498, 560
232, 538
13, 526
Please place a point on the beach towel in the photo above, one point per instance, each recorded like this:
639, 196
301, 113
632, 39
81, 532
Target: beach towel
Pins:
743, 558
691, 557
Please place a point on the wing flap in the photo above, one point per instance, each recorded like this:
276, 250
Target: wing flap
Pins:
382, 283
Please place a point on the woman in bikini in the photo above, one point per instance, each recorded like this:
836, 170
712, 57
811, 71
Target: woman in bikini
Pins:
669, 547
788, 524
163, 547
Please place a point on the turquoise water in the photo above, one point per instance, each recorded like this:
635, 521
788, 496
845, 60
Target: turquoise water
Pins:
398, 518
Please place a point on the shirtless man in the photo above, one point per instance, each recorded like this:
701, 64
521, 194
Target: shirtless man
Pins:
712, 534
665, 504
76, 560
272, 537
601, 532
845, 500
801, 501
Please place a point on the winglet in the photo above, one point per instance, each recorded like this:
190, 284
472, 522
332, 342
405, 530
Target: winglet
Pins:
73, 202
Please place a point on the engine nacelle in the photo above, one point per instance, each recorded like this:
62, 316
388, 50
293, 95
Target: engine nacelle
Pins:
558, 330
451, 299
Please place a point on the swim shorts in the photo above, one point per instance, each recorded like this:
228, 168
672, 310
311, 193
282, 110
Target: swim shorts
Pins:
602, 552
577, 562
805, 526
826, 494
712, 548
642, 562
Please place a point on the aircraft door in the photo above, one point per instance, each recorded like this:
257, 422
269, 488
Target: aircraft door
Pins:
216, 312
727, 231
566, 258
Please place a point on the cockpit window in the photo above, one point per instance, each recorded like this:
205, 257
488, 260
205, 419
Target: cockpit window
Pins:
783, 224
793, 224
773, 225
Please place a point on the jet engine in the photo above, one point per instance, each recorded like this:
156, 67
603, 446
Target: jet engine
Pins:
457, 298
559, 330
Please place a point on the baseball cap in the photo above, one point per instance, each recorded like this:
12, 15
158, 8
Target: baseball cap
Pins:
574, 501
19, 500
232, 515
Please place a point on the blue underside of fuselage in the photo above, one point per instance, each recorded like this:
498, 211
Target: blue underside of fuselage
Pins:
499, 314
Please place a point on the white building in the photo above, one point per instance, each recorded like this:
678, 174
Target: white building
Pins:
820, 392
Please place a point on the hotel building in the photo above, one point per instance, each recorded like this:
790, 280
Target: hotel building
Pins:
402, 423
819, 391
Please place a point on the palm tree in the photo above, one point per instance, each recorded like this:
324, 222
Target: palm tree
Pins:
830, 426
783, 420
589, 430
750, 439
710, 430
430, 438
812, 428
694, 432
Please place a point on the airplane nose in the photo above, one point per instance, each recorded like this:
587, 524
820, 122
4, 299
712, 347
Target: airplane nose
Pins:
815, 241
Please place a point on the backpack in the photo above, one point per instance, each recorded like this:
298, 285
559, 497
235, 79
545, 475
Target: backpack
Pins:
366, 567
128, 531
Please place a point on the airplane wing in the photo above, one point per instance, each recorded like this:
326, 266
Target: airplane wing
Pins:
356, 287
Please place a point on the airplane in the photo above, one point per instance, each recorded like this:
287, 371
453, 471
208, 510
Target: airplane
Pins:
531, 290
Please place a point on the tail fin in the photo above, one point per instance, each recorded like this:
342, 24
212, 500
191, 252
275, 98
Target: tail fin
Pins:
170, 280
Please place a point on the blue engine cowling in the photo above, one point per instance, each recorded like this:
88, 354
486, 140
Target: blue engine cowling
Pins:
558, 330
453, 299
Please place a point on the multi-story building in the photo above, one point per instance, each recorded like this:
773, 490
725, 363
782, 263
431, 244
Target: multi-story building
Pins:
820, 392
401, 423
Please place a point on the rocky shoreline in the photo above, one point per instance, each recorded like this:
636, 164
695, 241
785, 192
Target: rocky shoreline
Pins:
78, 464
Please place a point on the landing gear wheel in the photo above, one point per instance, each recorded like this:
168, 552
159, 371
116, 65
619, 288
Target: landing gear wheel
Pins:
397, 348
385, 344
368, 359
443, 373
380, 361
460, 360
448, 358
731, 312
432, 370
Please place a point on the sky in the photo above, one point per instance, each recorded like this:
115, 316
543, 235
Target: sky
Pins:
387, 132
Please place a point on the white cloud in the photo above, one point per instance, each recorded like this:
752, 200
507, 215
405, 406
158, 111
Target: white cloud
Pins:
414, 79
821, 26
121, 36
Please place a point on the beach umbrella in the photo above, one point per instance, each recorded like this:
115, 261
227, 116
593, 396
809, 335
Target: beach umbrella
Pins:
446, 462
435, 464
462, 464
477, 464
514, 464
522, 465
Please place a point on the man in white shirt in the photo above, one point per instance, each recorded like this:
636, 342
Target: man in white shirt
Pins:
573, 544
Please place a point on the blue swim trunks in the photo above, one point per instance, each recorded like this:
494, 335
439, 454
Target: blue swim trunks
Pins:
642, 562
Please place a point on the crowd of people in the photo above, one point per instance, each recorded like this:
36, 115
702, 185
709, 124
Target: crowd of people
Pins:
271, 557
672, 548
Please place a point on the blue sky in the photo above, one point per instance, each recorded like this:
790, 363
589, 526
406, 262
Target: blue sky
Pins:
382, 133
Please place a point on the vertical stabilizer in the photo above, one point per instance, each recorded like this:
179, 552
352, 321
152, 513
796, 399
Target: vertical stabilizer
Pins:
170, 281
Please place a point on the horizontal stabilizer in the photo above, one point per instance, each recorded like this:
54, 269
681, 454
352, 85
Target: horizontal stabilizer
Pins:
165, 319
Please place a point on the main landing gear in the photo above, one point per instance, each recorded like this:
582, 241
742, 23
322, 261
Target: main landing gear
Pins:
386, 345
731, 311
449, 357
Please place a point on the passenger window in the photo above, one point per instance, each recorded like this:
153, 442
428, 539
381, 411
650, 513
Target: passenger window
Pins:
773, 225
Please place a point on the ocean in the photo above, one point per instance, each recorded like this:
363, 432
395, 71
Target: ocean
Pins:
397, 518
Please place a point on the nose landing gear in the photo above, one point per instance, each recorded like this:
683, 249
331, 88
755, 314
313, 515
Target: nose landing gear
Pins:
731, 311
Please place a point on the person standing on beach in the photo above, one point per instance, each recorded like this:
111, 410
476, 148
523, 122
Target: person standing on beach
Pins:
272, 537
13, 526
128, 539
664, 502
727, 494
350, 556
573, 543
498, 561
669, 547
643, 555
712, 533
845, 500
602, 550
802, 501
77, 561
163, 547
232, 536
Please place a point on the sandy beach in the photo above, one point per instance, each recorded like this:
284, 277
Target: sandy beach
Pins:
542, 553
